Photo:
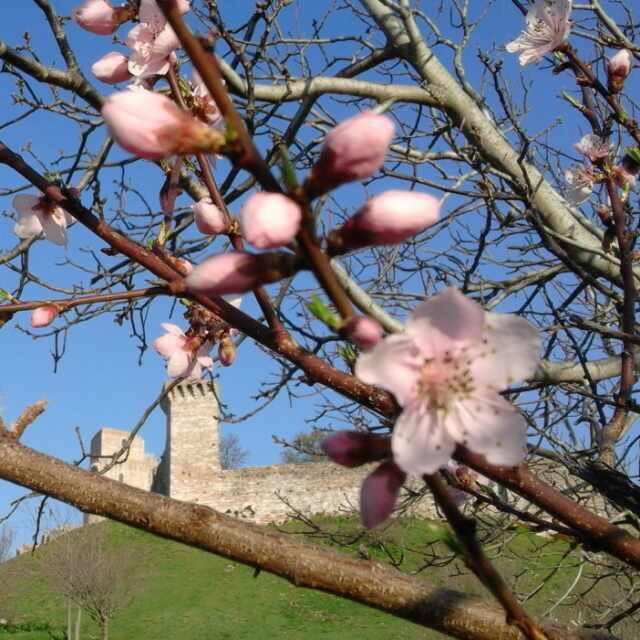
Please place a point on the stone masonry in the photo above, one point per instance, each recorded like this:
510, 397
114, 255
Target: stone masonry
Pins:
190, 467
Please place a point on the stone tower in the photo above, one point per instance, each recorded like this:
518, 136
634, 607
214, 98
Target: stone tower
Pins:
191, 459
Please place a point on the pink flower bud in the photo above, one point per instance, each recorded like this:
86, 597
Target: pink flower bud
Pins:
355, 448
43, 316
354, 150
151, 126
270, 220
379, 493
184, 266
236, 272
97, 16
111, 68
389, 218
208, 218
226, 351
364, 332
618, 69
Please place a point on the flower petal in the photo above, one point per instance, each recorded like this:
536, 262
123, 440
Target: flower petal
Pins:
178, 364
455, 316
420, 442
487, 424
392, 364
27, 225
168, 344
54, 225
508, 352
172, 328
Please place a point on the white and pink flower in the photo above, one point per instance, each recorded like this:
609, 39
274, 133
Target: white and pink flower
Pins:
446, 370
112, 68
593, 147
37, 214
270, 220
547, 27
186, 356
580, 179
618, 70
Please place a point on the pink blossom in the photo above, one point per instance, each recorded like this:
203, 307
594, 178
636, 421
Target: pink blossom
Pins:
43, 316
389, 218
618, 69
204, 106
111, 68
97, 16
354, 150
580, 180
363, 331
379, 493
233, 272
547, 28
208, 218
593, 147
270, 220
355, 448
151, 126
36, 214
446, 370
186, 356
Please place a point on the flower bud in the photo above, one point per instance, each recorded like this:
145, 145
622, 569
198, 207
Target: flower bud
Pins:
389, 218
112, 68
364, 332
226, 351
43, 316
379, 493
151, 126
269, 220
618, 69
355, 448
184, 266
354, 150
208, 218
99, 17
237, 272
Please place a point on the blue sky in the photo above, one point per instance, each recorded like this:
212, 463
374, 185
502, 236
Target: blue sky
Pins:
99, 381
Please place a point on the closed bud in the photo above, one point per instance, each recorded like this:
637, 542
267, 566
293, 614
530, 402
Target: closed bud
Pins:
379, 493
270, 220
112, 68
151, 126
98, 16
226, 351
355, 448
364, 332
237, 272
43, 316
618, 69
208, 218
389, 218
354, 150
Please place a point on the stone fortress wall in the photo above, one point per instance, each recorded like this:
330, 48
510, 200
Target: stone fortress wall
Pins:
190, 470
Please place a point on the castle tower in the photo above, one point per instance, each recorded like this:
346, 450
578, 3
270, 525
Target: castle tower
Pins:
191, 458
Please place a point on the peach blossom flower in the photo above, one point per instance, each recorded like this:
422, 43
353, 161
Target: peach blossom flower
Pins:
97, 16
363, 331
205, 106
208, 218
112, 68
151, 126
43, 316
354, 150
388, 218
593, 147
36, 214
618, 69
547, 27
269, 220
186, 356
446, 370
580, 179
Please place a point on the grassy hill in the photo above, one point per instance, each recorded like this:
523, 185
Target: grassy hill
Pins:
193, 595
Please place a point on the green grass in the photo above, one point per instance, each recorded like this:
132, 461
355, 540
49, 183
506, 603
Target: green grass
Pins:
197, 596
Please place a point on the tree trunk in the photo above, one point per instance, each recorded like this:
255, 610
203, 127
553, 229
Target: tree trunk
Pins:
76, 634
104, 628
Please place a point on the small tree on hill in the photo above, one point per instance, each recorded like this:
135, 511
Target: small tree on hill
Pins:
232, 454
6, 538
305, 447
93, 573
